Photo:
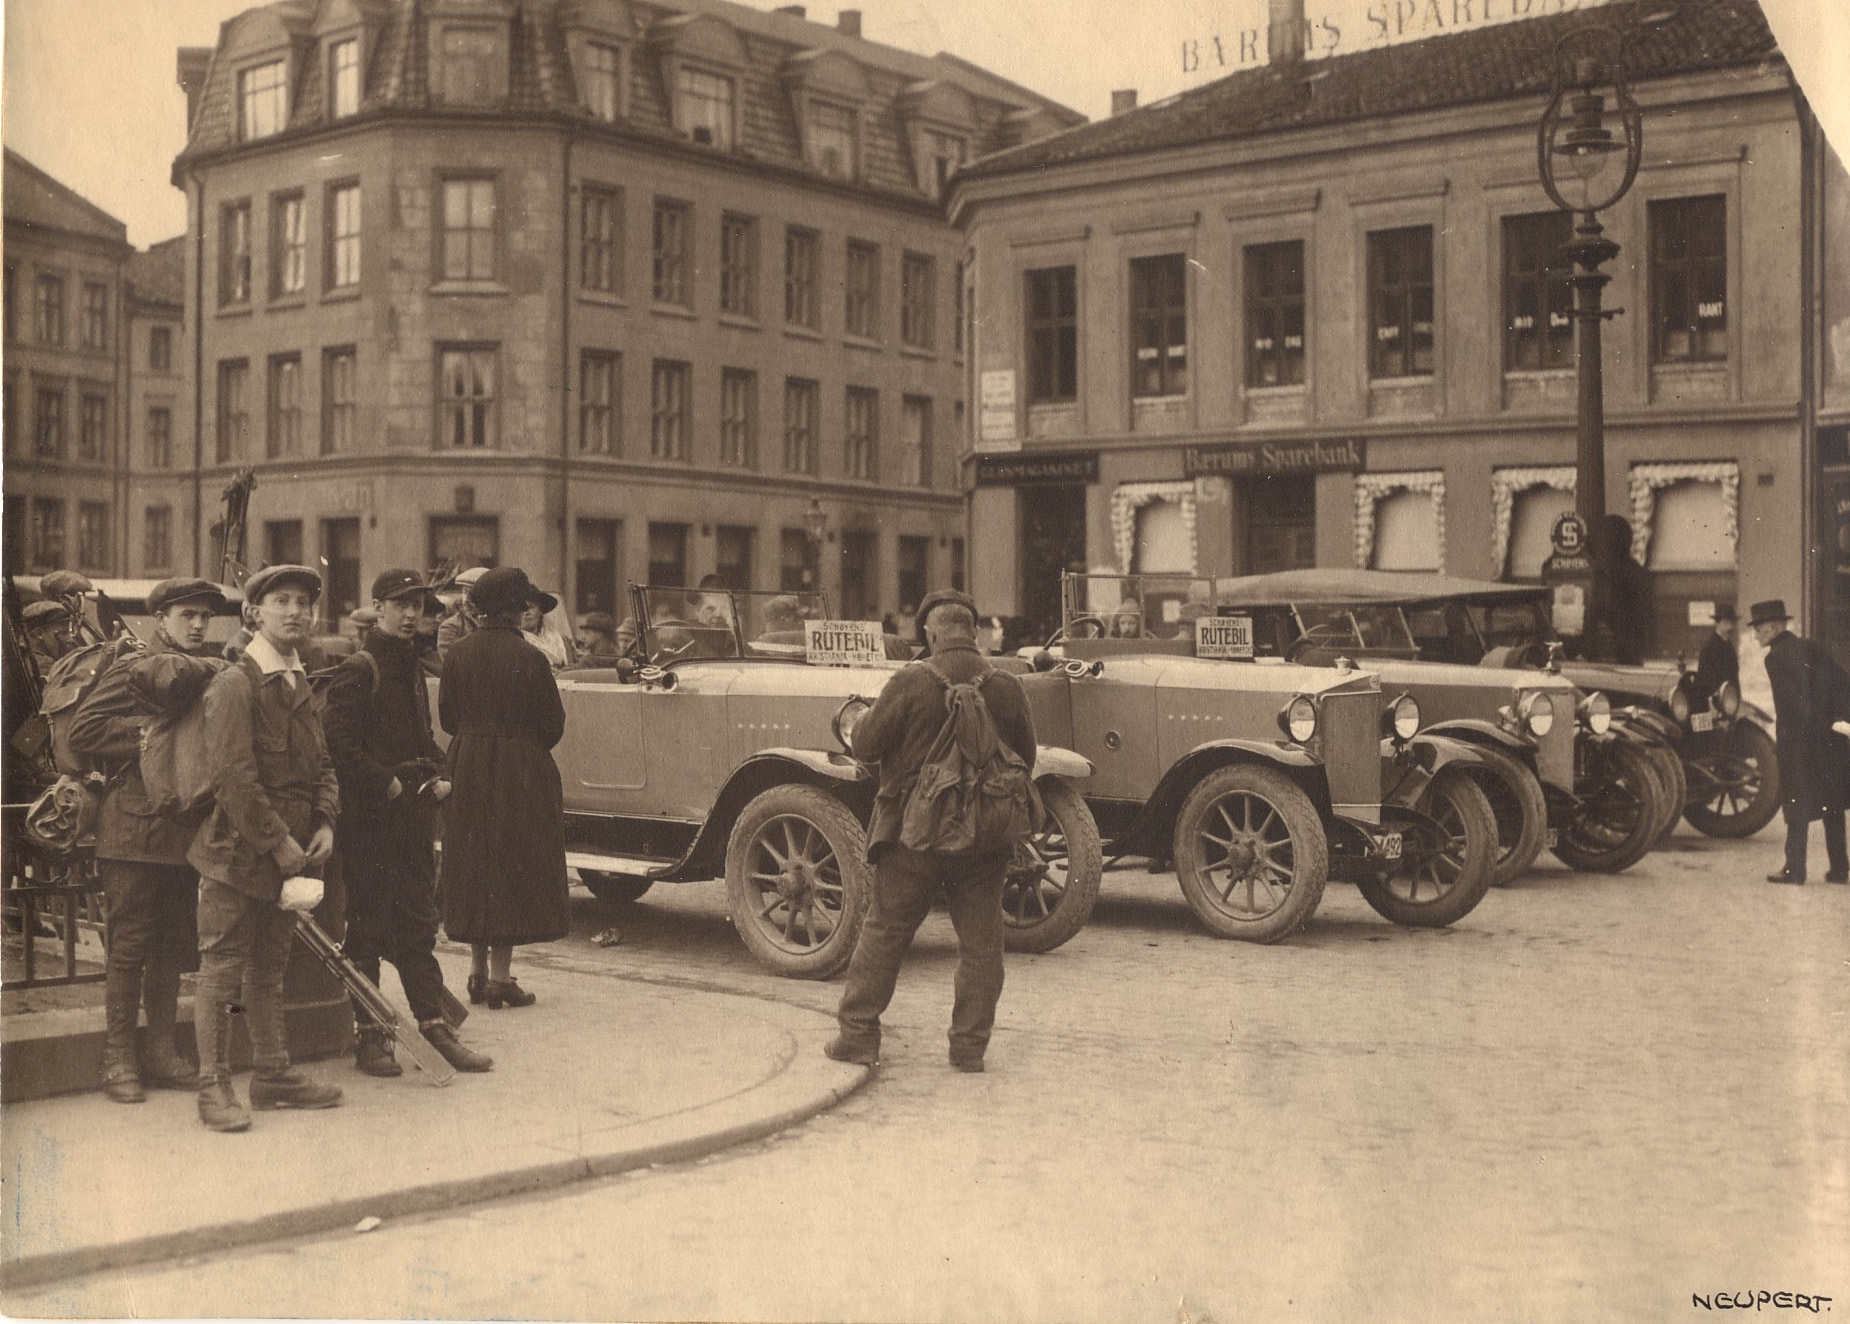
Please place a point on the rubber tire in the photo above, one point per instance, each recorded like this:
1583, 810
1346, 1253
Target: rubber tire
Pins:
1304, 830
614, 889
1634, 766
846, 840
1669, 767
1084, 869
1764, 806
1477, 870
1521, 810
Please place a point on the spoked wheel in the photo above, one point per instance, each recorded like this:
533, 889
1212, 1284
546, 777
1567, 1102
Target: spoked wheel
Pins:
1620, 800
1053, 878
1668, 766
1441, 886
1250, 854
614, 888
1742, 782
796, 881
1521, 811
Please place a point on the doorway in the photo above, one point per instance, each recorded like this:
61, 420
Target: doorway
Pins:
1053, 540
1278, 515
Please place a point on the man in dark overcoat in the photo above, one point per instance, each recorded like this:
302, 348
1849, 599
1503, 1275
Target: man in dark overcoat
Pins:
149, 889
1810, 692
1717, 664
898, 733
504, 832
378, 728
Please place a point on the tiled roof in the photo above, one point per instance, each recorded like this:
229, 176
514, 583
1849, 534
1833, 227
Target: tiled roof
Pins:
34, 198
159, 275
1484, 64
541, 80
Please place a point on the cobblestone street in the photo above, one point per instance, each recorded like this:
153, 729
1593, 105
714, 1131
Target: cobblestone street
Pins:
1591, 1099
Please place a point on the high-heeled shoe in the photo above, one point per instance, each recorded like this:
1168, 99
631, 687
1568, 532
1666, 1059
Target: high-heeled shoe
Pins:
507, 993
478, 989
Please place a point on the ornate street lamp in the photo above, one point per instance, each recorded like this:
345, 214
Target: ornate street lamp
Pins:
815, 526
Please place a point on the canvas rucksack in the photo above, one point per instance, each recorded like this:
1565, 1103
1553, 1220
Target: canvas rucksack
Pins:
67, 681
176, 755
973, 795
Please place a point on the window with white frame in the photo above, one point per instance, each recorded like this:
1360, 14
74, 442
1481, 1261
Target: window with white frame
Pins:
343, 236
918, 309
738, 418
288, 245
862, 290
263, 100
603, 73
467, 399
832, 136
669, 384
861, 434
915, 441
802, 403
599, 384
285, 434
802, 255
600, 264
671, 240
738, 265
339, 400
234, 253
469, 229
344, 77
705, 101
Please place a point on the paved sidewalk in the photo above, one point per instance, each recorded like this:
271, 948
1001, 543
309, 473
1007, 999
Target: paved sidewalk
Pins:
605, 1074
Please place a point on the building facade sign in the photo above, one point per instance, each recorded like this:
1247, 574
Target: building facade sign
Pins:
1243, 459
996, 422
1047, 467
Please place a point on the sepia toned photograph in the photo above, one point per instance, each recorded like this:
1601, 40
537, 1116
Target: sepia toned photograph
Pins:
1070, 661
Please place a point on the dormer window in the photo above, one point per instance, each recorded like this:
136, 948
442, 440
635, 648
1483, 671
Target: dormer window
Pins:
944, 152
344, 77
603, 80
472, 65
263, 100
706, 107
940, 120
833, 139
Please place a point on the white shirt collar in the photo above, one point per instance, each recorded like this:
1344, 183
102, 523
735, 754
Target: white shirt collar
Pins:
269, 661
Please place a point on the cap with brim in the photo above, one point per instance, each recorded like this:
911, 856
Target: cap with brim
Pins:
275, 576
941, 597
1765, 613
170, 591
470, 577
63, 583
363, 616
45, 613
398, 584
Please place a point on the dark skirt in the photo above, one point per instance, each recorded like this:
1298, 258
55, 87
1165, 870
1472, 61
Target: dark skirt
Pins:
503, 873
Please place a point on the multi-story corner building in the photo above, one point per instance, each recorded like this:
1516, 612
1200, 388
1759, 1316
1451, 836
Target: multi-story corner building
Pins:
65, 377
1312, 314
608, 290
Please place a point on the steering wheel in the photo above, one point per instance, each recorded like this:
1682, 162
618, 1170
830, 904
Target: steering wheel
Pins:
1096, 629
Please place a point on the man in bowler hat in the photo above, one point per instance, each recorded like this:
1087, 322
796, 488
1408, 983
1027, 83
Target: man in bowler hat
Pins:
1810, 691
1717, 664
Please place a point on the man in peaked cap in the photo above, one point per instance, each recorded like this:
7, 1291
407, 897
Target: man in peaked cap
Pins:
390, 770
1810, 692
48, 631
149, 889
274, 804
466, 619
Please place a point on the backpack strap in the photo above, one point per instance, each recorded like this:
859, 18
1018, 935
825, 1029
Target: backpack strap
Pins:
937, 673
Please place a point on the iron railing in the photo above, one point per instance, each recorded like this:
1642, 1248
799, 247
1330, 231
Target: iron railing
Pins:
50, 901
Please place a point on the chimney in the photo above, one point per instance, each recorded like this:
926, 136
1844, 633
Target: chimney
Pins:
1123, 99
848, 22
1286, 30
795, 11
190, 72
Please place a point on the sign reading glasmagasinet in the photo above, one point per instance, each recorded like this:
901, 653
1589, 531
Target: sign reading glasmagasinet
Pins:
1240, 459
1036, 467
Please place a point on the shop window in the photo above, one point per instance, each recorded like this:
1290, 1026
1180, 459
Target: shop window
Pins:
344, 77
705, 105
49, 309
1159, 326
673, 225
668, 406
738, 419
918, 280
862, 288
1400, 300
802, 402
343, 236
288, 245
339, 401
599, 403
1275, 314
831, 139
1532, 518
282, 542
738, 265
732, 546
862, 434
468, 418
234, 253
1164, 544
263, 104
1689, 280
1053, 335
668, 555
1406, 533
468, 229
859, 574
464, 542
802, 253
1538, 301
598, 570
1690, 529
285, 431
233, 410
600, 267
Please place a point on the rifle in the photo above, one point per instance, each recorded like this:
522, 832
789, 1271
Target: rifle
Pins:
374, 1003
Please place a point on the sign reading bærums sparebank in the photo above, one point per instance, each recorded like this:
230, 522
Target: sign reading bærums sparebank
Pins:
843, 643
1274, 457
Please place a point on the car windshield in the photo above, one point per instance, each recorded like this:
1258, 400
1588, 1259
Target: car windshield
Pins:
1369, 627
677, 623
1511, 624
1136, 606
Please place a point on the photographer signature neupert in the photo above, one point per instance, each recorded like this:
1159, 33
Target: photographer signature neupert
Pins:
1759, 1301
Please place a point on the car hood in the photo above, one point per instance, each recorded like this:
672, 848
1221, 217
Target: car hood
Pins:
1266, 677
1653, 683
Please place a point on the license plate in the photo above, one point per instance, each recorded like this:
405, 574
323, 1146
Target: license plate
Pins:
1702, 721
1390, 846
1551, 839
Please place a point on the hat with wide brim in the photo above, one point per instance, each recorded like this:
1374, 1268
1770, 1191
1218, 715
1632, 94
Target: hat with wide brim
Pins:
1765, 613
275, 576
170, 591
507, 588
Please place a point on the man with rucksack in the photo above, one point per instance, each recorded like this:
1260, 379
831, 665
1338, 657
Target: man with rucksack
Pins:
955, 746
391, 779
149, 890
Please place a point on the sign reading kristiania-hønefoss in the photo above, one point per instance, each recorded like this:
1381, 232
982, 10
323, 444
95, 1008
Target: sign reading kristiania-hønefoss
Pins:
1274, 457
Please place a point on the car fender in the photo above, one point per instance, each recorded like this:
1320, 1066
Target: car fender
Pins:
1476, 731
1150, 833
1406, 775
1643, 723
1053, 761
837, 773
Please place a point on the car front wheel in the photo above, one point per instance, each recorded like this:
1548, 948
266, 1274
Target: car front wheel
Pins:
1738, 789
1052, 881
1250, 854
1616, 820
797, 881
1442, 883
1521, 811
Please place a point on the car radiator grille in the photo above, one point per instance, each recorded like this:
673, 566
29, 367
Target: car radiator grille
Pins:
1351, 726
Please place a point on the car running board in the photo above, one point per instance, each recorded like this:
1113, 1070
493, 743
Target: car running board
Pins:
630, 866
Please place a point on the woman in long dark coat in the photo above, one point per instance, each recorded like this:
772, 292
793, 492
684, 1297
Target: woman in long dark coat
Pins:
504, 829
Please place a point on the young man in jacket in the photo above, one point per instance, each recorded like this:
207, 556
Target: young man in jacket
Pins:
149, 890
274, 805
378, 729
898, 733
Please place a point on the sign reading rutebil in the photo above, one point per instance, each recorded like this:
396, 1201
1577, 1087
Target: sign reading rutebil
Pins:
843, 643
1224, 636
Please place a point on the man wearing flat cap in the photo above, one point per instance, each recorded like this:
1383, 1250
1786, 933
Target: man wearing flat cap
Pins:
48, 632
275, 801
1810, 692
898, 733
149, 889
390, 770
465, 619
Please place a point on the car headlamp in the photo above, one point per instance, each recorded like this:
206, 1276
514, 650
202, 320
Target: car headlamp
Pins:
1596, 713
1537, 713
1299, 719
1728, 699
1679, 704
847, 717
1403, 718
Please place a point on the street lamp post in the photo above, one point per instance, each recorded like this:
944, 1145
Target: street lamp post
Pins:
1586, 169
